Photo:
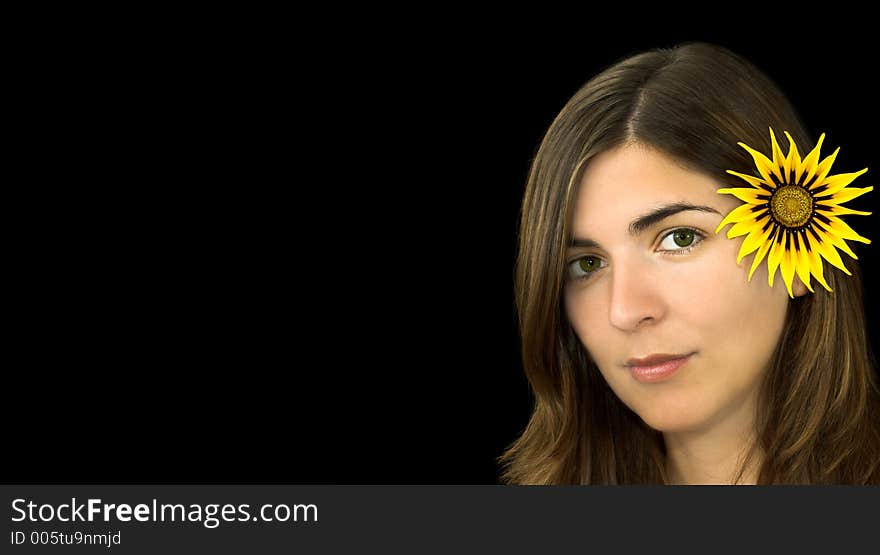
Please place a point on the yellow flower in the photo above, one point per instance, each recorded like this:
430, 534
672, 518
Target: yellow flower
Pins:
791, 213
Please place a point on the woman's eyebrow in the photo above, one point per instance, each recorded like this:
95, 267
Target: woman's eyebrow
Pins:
645, 221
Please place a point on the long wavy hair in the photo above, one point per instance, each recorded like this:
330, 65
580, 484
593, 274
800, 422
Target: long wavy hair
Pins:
818, 418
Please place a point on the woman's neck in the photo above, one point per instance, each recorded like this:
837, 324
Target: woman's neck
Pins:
714, 454
693, 465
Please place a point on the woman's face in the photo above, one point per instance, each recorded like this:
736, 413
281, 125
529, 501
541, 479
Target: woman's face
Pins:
675, 293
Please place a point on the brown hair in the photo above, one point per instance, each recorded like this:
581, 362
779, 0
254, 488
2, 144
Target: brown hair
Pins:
818, 418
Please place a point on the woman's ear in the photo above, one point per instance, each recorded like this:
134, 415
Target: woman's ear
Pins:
798, 287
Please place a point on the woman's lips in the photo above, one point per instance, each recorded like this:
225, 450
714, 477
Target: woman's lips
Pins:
658, 371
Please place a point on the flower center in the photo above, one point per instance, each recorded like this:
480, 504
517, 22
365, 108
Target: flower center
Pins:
791, 205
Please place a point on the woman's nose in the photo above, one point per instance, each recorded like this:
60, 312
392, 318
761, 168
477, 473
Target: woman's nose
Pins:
636, 298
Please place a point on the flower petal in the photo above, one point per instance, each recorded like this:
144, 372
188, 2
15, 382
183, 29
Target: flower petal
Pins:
765, 246
778, 157
738, 214
845, 195
764, 165
754, 181
823, 169
741, 228
835, 210
803, 262
816, 263
775, 256
838, 242
792, 162
835, 239
745, 194
842, 230
754, 241
837, 182
786, 265
826, 248
812, 159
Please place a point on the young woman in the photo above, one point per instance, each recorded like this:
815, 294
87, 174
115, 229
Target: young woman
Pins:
653, 354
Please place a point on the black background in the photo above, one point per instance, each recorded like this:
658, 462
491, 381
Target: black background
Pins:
255, 252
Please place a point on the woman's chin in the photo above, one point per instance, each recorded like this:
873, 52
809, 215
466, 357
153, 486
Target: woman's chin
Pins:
668, 421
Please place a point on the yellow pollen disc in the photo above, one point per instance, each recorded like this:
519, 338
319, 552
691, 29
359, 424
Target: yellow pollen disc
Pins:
791, 206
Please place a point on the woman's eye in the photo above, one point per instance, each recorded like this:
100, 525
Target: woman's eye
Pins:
584, 266
681, 240
677, 241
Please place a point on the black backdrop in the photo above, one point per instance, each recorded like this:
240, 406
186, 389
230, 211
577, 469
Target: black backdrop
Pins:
263, 256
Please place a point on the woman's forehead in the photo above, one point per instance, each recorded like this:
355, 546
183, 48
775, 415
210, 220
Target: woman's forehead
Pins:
622, 184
